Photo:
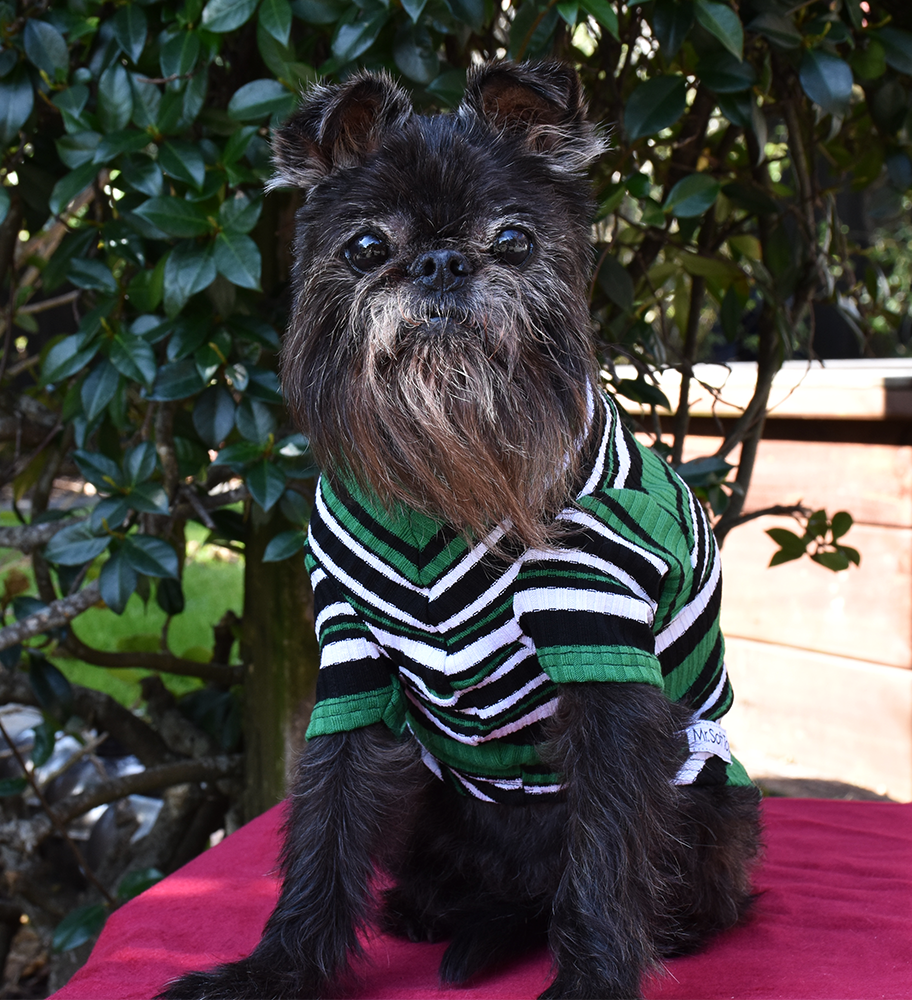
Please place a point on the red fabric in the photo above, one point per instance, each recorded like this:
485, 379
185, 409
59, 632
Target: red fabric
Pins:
834, 921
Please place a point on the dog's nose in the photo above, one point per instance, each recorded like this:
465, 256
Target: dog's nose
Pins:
441, 270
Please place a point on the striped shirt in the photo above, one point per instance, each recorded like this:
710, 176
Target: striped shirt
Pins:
465, 648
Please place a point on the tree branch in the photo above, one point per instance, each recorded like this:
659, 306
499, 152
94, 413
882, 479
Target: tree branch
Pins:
58, 613
28, 537
221, 673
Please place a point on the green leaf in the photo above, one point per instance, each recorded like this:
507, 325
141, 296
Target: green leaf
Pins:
836, 561
99, 388
275, 17
12, 786
470, 12
237, 257
416, 54
66, 358
266, 483
354, 39
851, 554
102, 472
722, 22
752, 198
133, 883
169, 596
146, 102
46, 48
142, 174
77, 149
52, 689
285, 545
259, 98
79, 926
175, 217
710, 267
70, 186
182, 160
641, 390
178, 380
897, 48
318, 11
869, 63
117, 582
115, 99
226, 15
654, 105
692, 196
213, 415
45, 738
239, 455
134, 358
703, 472
179, 53
109, 514
842, 521
150, 556
239, 214
725, 74
71, 103
787, 539
75, 545
784, 556
130, 28
149, 498
91, 274
255, 420
604, 14
188, 270
671, 20
778, 29
616, 283
140, 462
4, 204
827, 80
414, 9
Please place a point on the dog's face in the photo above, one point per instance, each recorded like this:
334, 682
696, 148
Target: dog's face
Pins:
440, 350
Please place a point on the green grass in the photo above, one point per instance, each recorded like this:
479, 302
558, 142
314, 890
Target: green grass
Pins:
212, 586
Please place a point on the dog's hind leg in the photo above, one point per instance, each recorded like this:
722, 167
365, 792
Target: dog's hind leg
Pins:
350, 791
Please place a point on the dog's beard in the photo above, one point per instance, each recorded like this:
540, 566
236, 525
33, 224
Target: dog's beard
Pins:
467, 414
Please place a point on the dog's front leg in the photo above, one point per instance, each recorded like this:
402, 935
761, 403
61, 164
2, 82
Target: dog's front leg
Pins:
618, 747
347, 788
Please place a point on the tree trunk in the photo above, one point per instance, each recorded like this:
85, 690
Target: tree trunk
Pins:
281, 659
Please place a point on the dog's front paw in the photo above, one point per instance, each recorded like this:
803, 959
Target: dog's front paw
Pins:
399, 917
242, 980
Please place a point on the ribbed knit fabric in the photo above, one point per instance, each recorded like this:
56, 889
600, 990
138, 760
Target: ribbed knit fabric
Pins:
466, 648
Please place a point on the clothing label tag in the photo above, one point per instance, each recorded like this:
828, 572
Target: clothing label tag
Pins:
705, 736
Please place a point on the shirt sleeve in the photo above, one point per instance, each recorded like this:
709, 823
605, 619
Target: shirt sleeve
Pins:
357, 684
586, 623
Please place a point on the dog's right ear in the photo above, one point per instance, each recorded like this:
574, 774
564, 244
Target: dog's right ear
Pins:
335, 127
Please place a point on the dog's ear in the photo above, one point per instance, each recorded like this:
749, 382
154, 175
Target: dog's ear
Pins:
335, 127
542, 104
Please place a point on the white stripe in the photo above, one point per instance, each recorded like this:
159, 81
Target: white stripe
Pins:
566, 599
598, 470
587, 520
620, 480
717, 691
347, 651
338, 610
542, 712
581, 558
358, 588
475, 555
488, 597
690, 612
472, 655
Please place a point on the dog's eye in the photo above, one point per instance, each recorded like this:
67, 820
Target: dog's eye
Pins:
512, 246
366, 252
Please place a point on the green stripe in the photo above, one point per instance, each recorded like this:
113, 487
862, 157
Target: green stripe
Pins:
572, 664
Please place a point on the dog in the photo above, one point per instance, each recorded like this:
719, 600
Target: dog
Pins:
517, 605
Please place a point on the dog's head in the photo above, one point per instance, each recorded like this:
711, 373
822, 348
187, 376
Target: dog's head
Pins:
440, 350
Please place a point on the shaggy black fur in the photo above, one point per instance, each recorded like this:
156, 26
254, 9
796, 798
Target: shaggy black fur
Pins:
628, 869
478, 392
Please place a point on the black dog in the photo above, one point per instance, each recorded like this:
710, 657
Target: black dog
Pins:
517, 605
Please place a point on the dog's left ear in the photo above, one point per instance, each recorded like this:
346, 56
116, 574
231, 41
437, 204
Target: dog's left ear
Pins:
542, 104
336, 127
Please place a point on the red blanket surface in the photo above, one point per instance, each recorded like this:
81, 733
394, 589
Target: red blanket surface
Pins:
834, 921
